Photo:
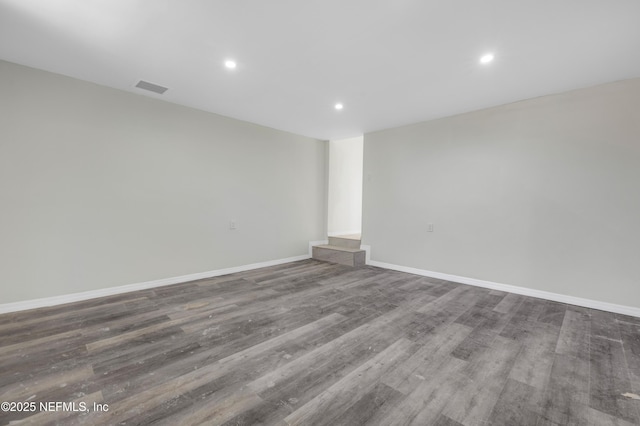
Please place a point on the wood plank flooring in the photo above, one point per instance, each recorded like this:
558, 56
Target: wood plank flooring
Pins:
312, 343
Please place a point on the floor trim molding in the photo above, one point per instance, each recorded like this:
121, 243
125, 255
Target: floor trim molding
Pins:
92, 294
572, 300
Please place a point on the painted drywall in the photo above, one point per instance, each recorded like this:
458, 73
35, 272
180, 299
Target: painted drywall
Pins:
543, 194
345, 186
102, 188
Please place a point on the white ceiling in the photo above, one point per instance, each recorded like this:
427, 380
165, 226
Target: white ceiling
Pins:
391, 62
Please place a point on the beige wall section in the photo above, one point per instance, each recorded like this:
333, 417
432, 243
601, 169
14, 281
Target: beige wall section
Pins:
103, 188
345, 186
543, 194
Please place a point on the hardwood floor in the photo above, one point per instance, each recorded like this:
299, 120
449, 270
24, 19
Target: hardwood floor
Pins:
312, 343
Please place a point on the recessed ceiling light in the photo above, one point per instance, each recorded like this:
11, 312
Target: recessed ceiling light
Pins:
339, 106
485, 59
230, 64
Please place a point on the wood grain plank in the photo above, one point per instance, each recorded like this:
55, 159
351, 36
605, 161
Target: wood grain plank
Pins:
314, 342
425, 403
347, 391
534, 362
488, 372
574, 338
610, 379
427, 360
567, 392
371, 406
30, 389
518, 404
630, 337
166, 391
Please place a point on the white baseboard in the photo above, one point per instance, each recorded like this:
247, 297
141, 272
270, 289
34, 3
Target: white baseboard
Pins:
562, 298
76, 297
85, 295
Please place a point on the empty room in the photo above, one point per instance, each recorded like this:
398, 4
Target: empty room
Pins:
320, 212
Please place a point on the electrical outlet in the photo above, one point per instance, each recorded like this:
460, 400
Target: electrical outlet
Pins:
430, 227
233, 225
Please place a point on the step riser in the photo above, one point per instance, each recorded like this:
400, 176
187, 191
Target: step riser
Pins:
341, 257
344, 242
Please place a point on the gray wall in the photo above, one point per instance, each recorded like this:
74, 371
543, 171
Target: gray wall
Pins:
543, 194
101, 188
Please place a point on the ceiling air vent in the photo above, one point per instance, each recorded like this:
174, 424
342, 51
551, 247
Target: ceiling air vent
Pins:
151, 87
